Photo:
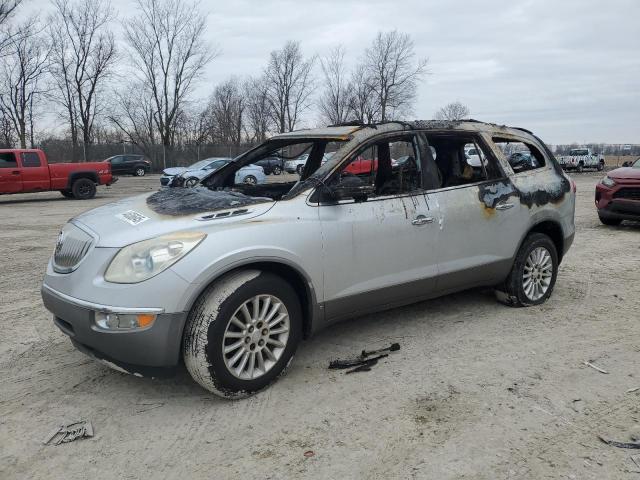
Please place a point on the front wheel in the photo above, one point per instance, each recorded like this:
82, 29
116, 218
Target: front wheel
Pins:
250, 180
299, 169
139, 172
533, 274
277, 170
613, 222
580, 168
191, 182
600, 166
242, 333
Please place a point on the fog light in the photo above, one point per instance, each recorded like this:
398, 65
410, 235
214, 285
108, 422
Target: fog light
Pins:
122, 321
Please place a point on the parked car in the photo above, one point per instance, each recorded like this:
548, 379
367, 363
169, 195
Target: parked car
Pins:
250, 174
296, 165
129, 164
581, 158
229, 277
271, 165
27, 170
473, 157
618, 195
208, 164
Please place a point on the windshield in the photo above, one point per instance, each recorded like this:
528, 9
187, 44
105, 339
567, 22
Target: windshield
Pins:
199, 165
302, 157
579, 152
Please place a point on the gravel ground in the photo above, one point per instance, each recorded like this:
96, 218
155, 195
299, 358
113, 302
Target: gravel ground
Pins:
478, 390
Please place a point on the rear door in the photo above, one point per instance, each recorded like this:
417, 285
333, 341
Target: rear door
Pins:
481, 216
380, 250
35, 173
10, 173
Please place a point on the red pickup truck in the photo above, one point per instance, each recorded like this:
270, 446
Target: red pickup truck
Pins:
26, 171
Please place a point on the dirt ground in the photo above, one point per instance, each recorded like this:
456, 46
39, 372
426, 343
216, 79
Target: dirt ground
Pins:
477, 391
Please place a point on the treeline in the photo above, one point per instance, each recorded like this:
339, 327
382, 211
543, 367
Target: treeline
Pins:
141, 96
600, 148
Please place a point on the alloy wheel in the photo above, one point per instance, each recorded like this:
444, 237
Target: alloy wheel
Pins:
538, 272
256, 337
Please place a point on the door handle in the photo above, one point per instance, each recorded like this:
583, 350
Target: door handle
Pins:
504, 206
15, 172
422, 220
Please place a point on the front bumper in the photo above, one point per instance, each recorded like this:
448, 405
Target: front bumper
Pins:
165, 180
616, 208
146, 351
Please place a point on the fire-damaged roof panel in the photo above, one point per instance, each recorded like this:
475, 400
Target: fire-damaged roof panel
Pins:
341, 133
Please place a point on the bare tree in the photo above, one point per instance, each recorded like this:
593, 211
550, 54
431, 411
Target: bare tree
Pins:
453, 112
7, 134
169, 54
257, 119
363, 102
336, 96
225, 112
289, 85
393, 72
83, 52
21, 74
7, 9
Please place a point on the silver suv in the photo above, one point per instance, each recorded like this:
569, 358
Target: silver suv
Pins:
230, 277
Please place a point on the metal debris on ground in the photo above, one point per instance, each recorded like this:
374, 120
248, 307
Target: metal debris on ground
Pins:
631, 390
309, 453
70, 432
613, 443
364, 361
589, 364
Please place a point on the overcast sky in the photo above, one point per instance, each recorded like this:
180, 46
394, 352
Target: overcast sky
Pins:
567, 69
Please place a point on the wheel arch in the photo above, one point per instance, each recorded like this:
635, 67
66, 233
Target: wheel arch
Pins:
551, 229
292, 274
91, 175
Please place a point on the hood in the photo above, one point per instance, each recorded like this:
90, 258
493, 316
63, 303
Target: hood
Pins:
625, 173
174, 170
134, 219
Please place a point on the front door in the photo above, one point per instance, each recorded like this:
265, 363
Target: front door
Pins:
10, 174
378, 246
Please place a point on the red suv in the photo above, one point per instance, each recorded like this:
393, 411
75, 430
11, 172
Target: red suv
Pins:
618, 195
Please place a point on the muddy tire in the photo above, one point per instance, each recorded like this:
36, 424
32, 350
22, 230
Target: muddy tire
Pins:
612, 222
83, 189
66, 193
242, 333
533, 274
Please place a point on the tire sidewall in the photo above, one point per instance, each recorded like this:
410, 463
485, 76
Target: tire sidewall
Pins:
76, 189
265, 283
247, 180
533, 242
139, 172
277, 170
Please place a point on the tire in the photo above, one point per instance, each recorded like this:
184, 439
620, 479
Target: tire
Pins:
580, 167
83, 189
277, 170
191, 182
613, 222
600, 166
250, 180
537, 248
139, 172
299, 169
210, 322
67, 193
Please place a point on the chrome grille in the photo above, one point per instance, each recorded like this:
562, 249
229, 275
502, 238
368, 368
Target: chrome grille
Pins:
71, 247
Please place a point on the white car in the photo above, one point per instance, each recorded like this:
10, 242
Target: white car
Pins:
191, 175
473, 158
296, 165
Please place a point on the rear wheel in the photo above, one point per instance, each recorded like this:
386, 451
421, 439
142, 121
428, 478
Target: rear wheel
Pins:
83, 189
277, 170
610, 221
242, 333
67, 193
600, 166
139, 172
533, 274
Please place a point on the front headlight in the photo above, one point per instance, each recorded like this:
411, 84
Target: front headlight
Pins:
608, 181
143, 260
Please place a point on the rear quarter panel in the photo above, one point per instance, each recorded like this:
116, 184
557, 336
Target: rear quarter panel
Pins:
60, 173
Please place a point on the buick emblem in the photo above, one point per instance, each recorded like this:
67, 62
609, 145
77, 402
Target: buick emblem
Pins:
59, 242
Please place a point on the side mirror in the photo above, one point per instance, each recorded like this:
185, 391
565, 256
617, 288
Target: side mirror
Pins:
359, 193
